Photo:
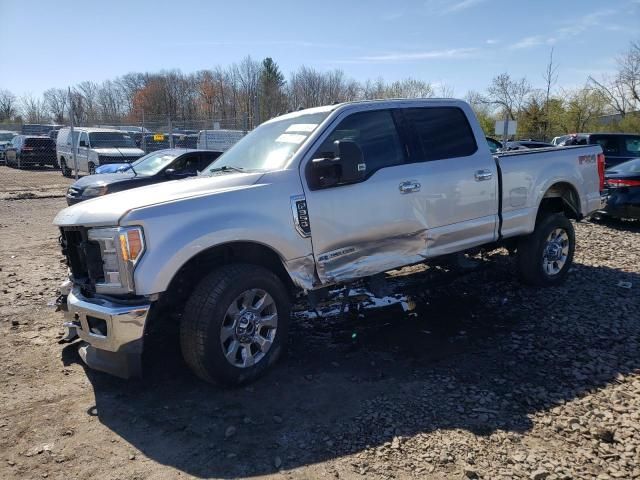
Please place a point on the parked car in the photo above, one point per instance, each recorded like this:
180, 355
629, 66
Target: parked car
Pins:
38, 129
622, 184
156, 167
221, 140
306, 202
5, 140
160, 141
94, 147
29, 151
617, 147
527, 144
557, 141
494, 145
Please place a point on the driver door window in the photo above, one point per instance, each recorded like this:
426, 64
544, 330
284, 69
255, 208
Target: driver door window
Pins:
376, 135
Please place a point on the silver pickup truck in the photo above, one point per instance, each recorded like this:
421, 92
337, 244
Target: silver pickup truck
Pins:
309, 200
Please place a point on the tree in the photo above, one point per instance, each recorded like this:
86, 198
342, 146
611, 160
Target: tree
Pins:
272, 94
56, 100
33, 109
7, 105
629, 65
508, 94
582, 108
483, 112
550, 77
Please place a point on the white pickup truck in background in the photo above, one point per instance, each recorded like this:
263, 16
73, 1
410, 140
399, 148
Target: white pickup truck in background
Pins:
306, 201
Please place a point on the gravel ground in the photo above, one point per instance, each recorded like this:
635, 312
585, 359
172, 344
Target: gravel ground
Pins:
476, 377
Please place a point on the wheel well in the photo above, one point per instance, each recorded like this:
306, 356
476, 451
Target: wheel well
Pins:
204, 262
561, 197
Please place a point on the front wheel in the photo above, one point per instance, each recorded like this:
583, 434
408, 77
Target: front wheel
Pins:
235, 324
545, 256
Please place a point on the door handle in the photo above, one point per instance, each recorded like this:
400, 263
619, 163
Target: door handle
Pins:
482, 175
409, 187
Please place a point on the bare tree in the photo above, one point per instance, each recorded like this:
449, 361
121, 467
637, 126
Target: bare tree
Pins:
550, 77
33, 109
614, 91
629, 65
56, 100
89, 92
508, 94
7, 105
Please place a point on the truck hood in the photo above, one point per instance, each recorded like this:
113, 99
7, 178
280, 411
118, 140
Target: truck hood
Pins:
114, 152
109, 209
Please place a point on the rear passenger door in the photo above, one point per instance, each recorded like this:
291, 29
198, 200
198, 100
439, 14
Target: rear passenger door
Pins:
459, 184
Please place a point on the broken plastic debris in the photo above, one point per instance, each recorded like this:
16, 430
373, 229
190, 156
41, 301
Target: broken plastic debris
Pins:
622, 284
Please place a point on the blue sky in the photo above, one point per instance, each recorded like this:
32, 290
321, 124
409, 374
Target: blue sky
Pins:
461, 43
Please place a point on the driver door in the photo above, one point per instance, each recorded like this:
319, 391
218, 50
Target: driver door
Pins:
375, 224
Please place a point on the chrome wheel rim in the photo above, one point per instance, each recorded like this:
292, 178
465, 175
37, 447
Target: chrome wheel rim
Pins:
249, 328
556, 251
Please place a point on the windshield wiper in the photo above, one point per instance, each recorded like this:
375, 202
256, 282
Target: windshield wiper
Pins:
226, 168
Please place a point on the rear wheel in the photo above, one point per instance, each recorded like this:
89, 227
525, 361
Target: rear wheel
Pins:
235, 324
92, 168
66, 171
545, 256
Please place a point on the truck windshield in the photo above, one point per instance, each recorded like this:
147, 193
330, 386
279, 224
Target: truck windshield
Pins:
269, 146
111, 140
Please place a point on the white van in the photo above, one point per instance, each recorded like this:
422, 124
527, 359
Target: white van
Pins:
218, 140
94, 147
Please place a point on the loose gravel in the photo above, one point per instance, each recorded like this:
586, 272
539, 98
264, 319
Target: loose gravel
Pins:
471, 376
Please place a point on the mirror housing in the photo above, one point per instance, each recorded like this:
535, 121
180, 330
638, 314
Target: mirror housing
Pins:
348, 167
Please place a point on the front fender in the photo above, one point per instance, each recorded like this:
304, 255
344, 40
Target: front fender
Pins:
177, 231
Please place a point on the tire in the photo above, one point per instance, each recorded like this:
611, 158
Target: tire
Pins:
66, 171
214, 338
92, 168
545, 256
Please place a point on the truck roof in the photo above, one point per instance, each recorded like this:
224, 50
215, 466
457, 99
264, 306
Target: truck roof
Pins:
381, 101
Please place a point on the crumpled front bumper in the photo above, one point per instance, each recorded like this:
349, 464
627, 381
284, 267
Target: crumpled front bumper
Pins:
115, 347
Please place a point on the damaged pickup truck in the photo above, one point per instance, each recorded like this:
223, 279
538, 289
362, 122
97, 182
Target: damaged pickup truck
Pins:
307, 201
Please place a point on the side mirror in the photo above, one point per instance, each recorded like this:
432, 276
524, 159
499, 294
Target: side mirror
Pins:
348, 167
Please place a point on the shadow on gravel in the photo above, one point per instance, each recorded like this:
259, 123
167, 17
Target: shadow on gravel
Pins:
480, 354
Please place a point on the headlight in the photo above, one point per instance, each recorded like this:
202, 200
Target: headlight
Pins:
120, 248
95, 191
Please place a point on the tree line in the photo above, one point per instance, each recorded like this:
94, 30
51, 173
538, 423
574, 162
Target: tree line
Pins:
247, 93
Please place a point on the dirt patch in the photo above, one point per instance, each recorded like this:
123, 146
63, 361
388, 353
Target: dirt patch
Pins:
480, 377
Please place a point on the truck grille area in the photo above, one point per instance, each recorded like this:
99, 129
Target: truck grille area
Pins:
83, 257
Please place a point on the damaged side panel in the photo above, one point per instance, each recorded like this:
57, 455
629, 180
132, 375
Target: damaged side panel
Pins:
372, 257
302, 271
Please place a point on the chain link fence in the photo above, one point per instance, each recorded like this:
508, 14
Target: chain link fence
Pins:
31, 167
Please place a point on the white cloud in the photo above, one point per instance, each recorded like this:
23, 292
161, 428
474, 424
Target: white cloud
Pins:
491, 41
463, 5
577, 26
425, 55
445, 7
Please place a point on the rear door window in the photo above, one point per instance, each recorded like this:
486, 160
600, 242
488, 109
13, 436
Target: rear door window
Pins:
441, 132
632, 146
610, 145
39, 142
